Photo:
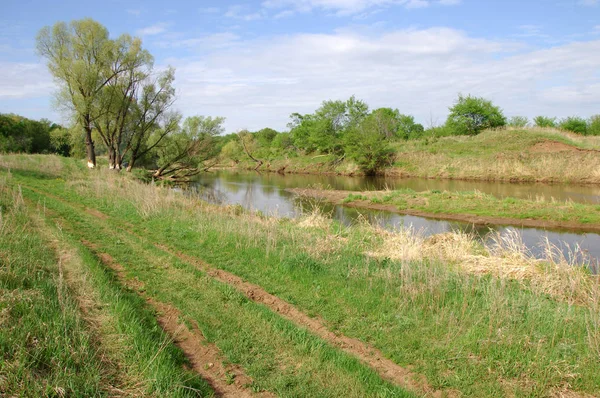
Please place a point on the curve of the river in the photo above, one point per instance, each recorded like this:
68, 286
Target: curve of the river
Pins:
266, 193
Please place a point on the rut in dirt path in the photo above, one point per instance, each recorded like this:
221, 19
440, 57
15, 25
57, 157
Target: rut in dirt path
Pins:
228, 381
386, 368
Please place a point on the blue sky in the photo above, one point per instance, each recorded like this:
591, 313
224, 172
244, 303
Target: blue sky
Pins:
255, 62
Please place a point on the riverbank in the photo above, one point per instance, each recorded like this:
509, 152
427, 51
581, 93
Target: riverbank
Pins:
510, 155
470, 207
296, 307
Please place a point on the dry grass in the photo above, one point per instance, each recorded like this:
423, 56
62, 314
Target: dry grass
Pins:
506, 256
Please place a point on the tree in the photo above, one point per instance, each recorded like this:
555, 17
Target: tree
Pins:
249, 146
130, 66
367, 145
233, 150
543, 121
574, 124
182, 153
518, 121
79, 57
151, 119
594, 125
471, 115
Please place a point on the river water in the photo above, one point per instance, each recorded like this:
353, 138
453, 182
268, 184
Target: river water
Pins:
266, 192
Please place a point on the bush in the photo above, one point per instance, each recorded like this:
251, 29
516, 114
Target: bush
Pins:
472, 115
575, 124
594, 125
543, 121
518, 121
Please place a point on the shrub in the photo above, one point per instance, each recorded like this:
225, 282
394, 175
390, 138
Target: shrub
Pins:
471, 115
543, 121
518, 121
594, 125
575, 124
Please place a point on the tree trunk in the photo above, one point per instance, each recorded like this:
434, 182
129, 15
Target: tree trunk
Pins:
111, 158
89, 148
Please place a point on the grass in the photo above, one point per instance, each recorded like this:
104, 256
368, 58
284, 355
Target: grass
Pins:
481, 204
478, 331
494, 155
49, 347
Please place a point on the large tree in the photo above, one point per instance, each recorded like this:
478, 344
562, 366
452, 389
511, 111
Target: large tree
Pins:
79, 57
111, 89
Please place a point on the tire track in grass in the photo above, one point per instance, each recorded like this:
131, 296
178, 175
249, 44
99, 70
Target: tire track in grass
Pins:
70, 270
205, 357
386, 368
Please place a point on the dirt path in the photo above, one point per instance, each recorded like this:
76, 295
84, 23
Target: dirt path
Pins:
337, 197
386, 368
228, 381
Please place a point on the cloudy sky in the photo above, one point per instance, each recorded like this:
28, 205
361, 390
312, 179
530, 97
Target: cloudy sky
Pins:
255, 62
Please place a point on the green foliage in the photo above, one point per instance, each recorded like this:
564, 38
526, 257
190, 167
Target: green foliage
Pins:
182, 152
574, 124
368, 147
324, 130
518, 121
233, 150
20, 134
283, 141
60, 141
471, 115
594, 125
544, 121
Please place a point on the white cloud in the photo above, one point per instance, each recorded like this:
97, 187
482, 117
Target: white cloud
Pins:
588, 3
239, 12
258, 83
24, 80
349, 7
152, 30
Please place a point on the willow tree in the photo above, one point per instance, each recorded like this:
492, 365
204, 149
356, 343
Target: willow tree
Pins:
79, 57
130, 65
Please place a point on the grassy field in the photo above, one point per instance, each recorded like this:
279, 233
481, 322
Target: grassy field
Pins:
290, 307
531, 154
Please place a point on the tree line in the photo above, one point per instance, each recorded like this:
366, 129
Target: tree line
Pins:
120, 105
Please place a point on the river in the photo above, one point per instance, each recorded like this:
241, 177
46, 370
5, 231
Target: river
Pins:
266, 192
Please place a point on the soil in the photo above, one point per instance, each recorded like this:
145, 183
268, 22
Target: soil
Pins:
556, 146
337, 197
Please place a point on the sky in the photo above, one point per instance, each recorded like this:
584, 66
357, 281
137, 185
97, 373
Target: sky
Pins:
256, 62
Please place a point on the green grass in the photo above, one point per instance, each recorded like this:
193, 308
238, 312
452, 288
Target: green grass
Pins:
481, 204
46, 346
480, 335
278, 355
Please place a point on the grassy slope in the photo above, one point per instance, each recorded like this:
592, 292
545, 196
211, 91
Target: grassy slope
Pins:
482, 336
503, 155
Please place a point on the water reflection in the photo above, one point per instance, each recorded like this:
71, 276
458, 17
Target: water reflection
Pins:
266, 193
